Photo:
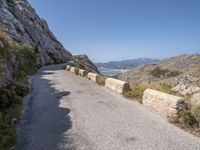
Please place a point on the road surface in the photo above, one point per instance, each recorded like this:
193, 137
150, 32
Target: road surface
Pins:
67, 112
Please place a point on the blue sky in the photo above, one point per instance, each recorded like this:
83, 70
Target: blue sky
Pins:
123, 29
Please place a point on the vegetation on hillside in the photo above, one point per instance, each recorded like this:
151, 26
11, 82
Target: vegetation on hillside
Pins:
12, 95
159, 73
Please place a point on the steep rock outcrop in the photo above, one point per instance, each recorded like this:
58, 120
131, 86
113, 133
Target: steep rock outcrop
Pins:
83, 62
21, 22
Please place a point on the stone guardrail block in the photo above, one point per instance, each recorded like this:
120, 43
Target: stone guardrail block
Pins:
93, 76
68, 67
117, 85
72, 69
167, 104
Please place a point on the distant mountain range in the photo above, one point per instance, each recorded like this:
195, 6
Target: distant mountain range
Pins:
113, 68
125, 64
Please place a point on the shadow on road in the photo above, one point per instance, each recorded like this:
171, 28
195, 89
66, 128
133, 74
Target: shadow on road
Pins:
45, 124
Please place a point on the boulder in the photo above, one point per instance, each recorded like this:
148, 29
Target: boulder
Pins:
117, 85
167, 104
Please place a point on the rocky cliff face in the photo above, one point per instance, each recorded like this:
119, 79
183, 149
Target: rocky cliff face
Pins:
21, 22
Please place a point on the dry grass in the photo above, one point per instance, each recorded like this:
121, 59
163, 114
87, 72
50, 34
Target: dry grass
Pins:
160, 87
136, 92
7, 44
101, 80
76, 71
189, 120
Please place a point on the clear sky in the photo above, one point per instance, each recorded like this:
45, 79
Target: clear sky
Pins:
123, 29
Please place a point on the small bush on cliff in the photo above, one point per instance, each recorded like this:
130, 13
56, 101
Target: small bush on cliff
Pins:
26, 59
6, 43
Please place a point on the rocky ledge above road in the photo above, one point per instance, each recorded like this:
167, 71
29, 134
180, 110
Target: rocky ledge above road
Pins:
21, 22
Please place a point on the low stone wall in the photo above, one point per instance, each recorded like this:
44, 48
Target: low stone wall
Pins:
167, 104
195, 100
82, 72
72, 69
93, 76
117, 85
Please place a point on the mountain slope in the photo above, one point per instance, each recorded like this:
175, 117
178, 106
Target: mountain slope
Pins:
181, 72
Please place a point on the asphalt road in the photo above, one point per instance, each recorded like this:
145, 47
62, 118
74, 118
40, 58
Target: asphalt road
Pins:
64, 111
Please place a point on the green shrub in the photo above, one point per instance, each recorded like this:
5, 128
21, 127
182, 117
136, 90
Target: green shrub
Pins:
185, 118
101, 80
135, 93
6, 41
26, 59
158, 73
21, 89
7, 136
8, 97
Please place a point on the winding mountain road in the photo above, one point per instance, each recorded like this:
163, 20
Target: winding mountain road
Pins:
64, 111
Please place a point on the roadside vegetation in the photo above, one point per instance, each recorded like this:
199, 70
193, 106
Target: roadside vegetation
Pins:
188, 119
101, 80
76, 71
137, 90
11, 96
